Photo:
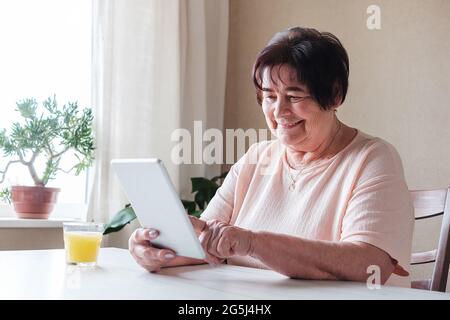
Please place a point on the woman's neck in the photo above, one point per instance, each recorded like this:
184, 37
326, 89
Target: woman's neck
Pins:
337, 138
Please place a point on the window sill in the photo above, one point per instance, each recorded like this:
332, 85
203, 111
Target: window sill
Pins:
62, 212
17, 223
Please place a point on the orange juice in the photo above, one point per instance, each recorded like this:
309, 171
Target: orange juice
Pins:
82, 246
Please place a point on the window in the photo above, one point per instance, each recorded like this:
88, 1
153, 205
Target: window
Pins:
45, 50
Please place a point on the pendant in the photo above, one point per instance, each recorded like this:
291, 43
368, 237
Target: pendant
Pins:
292, 186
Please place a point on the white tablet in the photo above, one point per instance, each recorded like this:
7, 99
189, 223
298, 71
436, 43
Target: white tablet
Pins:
157, 205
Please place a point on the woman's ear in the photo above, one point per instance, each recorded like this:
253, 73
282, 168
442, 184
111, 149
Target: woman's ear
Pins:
337, 93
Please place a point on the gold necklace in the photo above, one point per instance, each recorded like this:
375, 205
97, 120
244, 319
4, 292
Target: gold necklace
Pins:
294, 179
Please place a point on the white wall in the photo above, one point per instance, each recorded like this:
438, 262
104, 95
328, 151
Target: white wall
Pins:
28, 238
52, 238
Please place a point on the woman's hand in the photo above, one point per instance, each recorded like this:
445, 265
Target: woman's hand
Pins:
202, 230
222, 240
145, 254
153, 259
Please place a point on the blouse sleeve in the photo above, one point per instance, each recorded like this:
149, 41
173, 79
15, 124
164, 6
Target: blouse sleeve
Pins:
380, 210
222, 204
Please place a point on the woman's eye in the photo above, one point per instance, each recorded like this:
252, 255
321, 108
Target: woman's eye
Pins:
270, 98
294, 99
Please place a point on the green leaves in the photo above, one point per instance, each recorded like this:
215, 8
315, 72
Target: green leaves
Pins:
27, 108
51, 169
50, 131
51, 105
5, 195
205, 189
120, 220
5, 143
189, 206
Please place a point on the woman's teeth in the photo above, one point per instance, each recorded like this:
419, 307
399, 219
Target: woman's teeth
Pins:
289, 125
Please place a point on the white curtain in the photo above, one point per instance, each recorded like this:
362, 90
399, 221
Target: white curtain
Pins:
158, 66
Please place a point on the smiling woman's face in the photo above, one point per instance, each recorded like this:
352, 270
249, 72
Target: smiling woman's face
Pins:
291, 113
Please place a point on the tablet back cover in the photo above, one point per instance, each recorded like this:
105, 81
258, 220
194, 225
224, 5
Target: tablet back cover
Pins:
157, 205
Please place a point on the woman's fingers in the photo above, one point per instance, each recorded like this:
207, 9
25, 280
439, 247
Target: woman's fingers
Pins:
226, 240
215, 247
151, 253
224, 247
142, 235
151, 266
198, 224
398, 270
149, 257
204, 238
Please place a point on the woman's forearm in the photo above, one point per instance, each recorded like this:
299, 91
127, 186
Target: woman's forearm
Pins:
315, 259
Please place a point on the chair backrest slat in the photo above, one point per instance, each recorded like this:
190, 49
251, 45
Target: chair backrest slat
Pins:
428, 203
424, 257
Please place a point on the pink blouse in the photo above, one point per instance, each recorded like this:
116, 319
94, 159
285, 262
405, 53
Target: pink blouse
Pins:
359, 194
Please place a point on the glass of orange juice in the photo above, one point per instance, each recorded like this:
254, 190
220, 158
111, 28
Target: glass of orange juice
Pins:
82, 242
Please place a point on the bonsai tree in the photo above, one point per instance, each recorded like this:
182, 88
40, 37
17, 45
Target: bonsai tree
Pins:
203, 189
48, 131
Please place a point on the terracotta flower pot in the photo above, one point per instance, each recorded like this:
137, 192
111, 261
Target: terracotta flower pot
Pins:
33, 202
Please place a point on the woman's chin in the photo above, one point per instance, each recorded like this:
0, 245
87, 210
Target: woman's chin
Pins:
290, 133
288, 139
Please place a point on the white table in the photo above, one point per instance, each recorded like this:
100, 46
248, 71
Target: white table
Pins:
43, 274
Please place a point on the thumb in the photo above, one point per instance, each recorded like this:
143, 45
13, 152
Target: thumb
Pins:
198, 224
398, 269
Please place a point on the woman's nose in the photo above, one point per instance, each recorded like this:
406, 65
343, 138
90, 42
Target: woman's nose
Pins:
281, 107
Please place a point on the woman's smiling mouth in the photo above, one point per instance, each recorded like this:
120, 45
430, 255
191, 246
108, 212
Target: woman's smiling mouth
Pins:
288, 125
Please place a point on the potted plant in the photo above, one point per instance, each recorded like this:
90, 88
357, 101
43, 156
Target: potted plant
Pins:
203, 189
45, 133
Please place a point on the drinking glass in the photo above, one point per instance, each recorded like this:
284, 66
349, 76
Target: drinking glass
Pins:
82, 242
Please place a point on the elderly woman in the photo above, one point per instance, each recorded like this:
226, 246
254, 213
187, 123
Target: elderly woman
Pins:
323, 200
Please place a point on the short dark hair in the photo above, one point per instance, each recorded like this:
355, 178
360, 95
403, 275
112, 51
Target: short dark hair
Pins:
319, 59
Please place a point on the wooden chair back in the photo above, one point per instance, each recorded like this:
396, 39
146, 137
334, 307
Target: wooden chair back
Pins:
429, 204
